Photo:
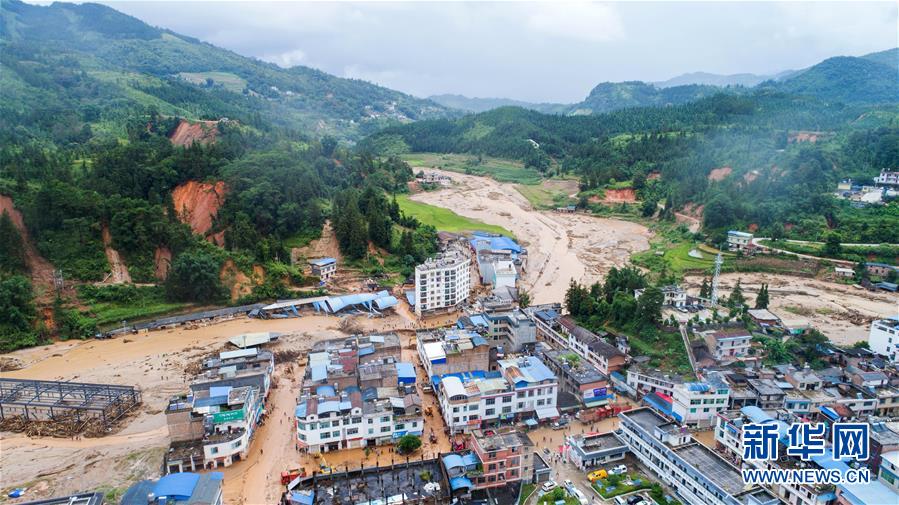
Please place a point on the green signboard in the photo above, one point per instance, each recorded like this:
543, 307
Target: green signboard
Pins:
227, 416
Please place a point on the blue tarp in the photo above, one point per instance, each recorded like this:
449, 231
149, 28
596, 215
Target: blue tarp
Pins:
300, 411
478, 341
470, 459
325, 391
830, 413
304, 498
459, 483
654, 400
179, 486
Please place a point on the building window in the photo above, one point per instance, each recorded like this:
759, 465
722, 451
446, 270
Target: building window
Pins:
489, 412
385, 429
490, 401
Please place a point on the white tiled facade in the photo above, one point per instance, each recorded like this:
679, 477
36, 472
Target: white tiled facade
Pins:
884, 338
442, 282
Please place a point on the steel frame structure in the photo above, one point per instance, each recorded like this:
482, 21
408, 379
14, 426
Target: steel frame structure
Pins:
47, 400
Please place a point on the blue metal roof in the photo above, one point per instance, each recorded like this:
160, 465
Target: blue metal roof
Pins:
328, 406
366, 350
470, 459
386, 302
320, 262
300, 411
479, 320
759, 416
369, 394
405, 370
698, 386
453, 461
210, 401
827, 411
319, 372
179, 486
410, 296
478, 341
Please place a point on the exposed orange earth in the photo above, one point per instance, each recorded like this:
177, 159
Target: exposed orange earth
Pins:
188, 132
197, 204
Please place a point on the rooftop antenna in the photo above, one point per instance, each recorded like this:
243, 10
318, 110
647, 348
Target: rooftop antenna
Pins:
719, 260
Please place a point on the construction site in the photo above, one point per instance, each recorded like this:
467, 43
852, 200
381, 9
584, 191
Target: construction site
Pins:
63, 409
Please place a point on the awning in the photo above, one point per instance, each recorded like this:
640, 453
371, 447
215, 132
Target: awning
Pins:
530, 422
548, 413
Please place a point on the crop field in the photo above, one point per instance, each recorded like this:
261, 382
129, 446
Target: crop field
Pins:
445, 219
227, 80
499, 169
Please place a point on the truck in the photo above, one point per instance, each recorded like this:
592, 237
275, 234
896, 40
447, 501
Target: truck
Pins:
293, 473
599, 413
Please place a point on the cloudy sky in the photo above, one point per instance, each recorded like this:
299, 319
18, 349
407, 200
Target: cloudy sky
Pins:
529, 51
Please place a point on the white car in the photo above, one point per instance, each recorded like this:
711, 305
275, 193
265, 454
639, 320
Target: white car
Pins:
618, 470
581, 497
569, 486
548, 486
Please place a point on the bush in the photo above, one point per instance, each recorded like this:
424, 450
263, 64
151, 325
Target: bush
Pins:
408, 444
194, 277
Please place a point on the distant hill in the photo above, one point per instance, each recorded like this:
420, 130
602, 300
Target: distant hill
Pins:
890, 58
469, 104
705, 78
846, 79
60, 56
610, 96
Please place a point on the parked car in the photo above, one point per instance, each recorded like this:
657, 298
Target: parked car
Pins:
618, 470
569, 486
595, 475
620, 500
634, 500
548, 486
581, 497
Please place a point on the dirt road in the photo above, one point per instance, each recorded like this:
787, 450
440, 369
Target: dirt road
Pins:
840, 311
560, 246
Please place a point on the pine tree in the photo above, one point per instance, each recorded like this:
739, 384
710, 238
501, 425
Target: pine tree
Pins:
705, 291
736, 296
761, 301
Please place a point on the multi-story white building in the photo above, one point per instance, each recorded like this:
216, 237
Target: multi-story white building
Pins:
564, 333
672, 295
887, 178
697, 403
738, 240
524, 388
729, 344
728, 441
443, 282
884, 338
328, 422
646, 381
695, 473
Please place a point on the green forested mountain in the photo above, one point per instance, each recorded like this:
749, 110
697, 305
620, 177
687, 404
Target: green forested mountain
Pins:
609, 96
848, 79
468, 104
768, 157
88, 65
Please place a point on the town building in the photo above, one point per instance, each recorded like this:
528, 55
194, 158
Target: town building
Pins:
738, 240
880, 269
728, 442
591, 450
887, 178
442, 282
889, 470
511, 330
177, 489
770, 395
434, 178
506, 455
673, 295
563, 332
729, 344
212, 427
697, 403
764, 318
448, 351
883, 338
323, 268
695, 473
579, 378
523, 389
844, 272
646, 381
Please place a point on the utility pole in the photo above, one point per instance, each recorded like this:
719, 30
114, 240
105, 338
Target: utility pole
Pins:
719, 260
